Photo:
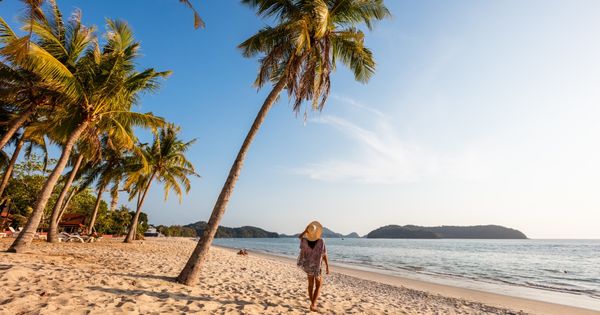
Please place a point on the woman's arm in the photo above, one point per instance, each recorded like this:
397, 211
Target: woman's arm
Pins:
326, 264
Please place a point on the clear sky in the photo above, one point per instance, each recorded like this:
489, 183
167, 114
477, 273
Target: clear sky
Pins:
481, 112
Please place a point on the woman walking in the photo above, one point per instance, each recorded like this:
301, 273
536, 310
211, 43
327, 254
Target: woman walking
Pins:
312, 253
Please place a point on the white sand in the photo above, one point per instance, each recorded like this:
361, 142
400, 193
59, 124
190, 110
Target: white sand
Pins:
109, 277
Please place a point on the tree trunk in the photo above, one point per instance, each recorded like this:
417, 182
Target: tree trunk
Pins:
11, 165
53, 229
191, 272
64, 207
114, 201
96, 207
15, 125
26, 236
131, 234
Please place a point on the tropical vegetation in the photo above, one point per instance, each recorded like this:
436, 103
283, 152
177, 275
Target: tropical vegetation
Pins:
62, 83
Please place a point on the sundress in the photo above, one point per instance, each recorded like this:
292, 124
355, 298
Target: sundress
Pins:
310, 258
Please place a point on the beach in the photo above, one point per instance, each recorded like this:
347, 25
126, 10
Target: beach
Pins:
110, 277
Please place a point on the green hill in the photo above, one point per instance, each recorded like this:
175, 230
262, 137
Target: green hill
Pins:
464, 232
239, 232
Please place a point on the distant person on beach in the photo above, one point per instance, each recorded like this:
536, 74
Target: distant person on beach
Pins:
312, 253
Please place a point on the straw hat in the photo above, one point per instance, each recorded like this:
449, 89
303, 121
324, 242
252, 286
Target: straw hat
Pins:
313, 231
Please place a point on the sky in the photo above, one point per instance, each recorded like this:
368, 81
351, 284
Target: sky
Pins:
480, 112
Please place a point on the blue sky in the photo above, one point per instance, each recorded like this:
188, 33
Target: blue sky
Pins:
480, 112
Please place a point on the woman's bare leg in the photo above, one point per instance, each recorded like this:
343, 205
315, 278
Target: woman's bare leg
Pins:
311, 281
315, 296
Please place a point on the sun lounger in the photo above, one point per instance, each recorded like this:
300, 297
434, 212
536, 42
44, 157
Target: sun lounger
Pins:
14, 233
66, 237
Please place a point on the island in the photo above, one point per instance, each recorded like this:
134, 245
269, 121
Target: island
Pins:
440, 232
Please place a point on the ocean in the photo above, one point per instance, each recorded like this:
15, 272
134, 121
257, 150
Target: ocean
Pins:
559, 271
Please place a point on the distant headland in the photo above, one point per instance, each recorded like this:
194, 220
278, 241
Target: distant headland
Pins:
388, 231
464, 232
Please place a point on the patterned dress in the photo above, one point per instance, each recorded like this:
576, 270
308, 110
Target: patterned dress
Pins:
310, 258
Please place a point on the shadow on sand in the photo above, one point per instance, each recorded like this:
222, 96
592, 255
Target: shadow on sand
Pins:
165, 295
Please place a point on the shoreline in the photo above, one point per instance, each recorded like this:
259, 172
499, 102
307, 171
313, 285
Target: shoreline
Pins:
488, 298
109, 277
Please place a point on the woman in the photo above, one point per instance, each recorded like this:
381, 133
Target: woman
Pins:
312, 253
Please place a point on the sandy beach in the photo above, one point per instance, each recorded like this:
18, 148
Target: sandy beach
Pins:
109, 277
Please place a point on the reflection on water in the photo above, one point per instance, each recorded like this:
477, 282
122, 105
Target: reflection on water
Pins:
567, 271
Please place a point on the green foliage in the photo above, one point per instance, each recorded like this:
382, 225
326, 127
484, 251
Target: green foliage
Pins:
176, 231
240, 232
142, 222
307, 40
115, 222
22, 193
33, 165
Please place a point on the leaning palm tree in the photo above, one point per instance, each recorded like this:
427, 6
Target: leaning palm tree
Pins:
164, 161
111, 170
19, 89
98, 87
77, 160
298, 54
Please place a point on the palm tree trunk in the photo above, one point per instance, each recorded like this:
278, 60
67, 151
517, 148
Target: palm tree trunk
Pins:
131, 234
96, 207
114, 201
15, 125
65, 205
11, 165
53, 229
26, 236
191, 272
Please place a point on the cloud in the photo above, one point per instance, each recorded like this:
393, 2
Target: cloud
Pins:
385, 157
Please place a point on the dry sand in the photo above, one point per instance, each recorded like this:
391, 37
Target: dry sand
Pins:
109, 277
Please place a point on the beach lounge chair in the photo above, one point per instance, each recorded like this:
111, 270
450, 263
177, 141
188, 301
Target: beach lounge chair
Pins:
66, 237
88, 238
14, 233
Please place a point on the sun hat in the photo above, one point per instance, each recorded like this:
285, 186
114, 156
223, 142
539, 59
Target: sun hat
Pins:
313, 231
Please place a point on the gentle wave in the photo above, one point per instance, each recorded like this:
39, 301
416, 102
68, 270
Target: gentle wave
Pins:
568, 267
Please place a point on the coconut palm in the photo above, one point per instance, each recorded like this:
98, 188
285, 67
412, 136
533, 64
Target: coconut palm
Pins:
22, 92
164, 161
76, 161
98, 86
22, 96
298, 55
111, 171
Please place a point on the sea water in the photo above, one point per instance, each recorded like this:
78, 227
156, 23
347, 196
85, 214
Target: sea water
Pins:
558, 271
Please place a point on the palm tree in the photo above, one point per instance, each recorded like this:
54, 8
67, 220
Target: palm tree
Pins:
21, 92
298, 54
164, 161
112, 170
98, 87
58, 206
